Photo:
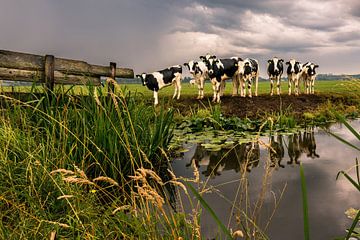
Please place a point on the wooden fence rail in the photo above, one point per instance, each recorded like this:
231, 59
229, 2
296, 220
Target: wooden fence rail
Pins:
15, 66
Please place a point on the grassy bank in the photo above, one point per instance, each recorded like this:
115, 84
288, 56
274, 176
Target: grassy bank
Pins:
86, 169
96, 166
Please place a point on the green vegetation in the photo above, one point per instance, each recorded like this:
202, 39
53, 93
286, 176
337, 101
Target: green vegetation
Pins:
85, 168
83, 164
328, 87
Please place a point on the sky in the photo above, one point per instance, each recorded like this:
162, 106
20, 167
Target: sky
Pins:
149, 35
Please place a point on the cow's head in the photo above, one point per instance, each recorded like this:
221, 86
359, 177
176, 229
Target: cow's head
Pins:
192, 65
311, 69
293, 66
214, 65
208, 60
142, 77
276, 65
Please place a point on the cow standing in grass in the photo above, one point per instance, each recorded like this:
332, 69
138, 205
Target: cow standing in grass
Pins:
308, 75
160, 79
275, 70
219, 70
294, 70
199, 71
248, 70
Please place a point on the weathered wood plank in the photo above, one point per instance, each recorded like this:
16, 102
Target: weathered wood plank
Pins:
61, 78
49, 72
21, 75
81, 67
39, 77
24, 61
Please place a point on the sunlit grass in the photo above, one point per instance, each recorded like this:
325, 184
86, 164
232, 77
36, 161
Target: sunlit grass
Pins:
335, 86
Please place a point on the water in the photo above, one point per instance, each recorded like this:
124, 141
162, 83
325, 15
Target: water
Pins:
322, 157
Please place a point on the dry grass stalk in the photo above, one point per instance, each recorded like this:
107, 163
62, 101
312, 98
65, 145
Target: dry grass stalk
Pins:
151, 195
97, 100
106, 179
57, 223
62, 171
196, 172
77, 180
65, 196
147, 172
122, 208
80, 172
179, 184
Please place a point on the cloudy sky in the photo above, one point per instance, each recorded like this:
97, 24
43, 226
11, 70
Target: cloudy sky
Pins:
148, 35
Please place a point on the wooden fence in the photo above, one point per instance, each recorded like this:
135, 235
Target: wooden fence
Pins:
15, 66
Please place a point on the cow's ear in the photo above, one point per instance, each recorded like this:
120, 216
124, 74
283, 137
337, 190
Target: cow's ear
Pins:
202, 57
316, 66
186, 64
297, 63
269, 61
213, 56
138, 76
281, 60
287, 63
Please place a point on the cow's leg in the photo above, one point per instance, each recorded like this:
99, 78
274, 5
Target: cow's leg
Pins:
312, 85
256, 83
202, 80
156, 98
175, 89
278, 86
241, 83
289, 84
178, 83
222, 88
271, 86
218, 89
235, 85
249, 86
307, 82
244, 86
213, 82
296, 86
199, 90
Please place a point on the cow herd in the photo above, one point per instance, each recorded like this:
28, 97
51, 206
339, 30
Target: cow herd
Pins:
243, 72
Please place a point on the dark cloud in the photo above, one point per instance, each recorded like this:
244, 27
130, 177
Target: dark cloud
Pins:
148, 34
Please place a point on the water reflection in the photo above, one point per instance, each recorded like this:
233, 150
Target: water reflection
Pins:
246, 156
239, 157
322, 157
276, 151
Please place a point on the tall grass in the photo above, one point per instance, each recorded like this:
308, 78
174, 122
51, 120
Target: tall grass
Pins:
71, 165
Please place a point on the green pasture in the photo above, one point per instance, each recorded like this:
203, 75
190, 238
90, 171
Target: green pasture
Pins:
332, 87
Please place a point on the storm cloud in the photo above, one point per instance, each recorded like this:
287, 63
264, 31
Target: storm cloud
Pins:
148, 35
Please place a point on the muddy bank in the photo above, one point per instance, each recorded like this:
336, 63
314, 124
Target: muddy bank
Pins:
263, 104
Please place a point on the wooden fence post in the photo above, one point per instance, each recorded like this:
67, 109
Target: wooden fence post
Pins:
49, 72
111, 86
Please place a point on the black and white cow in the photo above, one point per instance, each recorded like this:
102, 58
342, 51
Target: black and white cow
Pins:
275, 70
219, 70
199, 71
308, 75
160, 79
248, 69
294, 70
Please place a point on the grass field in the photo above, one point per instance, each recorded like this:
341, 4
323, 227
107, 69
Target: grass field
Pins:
336, 87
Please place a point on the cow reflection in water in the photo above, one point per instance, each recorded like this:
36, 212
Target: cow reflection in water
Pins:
300, 143
276, 151
243, 156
